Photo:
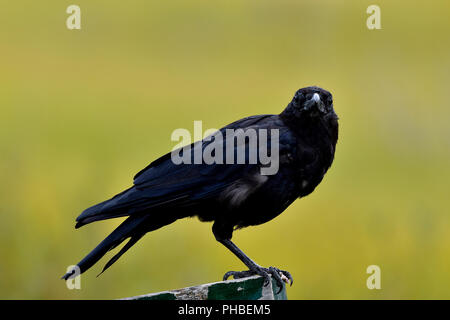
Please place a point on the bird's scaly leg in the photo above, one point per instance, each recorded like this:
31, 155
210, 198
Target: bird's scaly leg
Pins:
254, 268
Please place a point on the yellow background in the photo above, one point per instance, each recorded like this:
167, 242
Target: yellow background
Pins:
82, 111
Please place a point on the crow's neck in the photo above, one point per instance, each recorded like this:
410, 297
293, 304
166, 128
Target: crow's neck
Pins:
314, 131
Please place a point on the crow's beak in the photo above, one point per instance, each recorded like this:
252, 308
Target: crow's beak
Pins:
316, 97
315, 101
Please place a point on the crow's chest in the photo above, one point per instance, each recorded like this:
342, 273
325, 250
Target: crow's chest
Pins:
309, 167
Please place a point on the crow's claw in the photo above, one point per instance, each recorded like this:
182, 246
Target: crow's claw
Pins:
285, 276
278, 275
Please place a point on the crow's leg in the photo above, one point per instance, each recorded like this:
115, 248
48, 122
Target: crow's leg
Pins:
254, 268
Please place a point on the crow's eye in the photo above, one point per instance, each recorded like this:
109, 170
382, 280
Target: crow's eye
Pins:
298, 98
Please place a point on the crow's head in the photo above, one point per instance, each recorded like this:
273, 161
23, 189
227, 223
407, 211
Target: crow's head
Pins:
311, 112
313, 102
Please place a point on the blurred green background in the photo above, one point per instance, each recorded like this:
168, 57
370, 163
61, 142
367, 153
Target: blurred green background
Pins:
83, 110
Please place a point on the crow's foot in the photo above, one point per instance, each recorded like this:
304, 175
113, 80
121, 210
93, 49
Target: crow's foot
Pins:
280, 276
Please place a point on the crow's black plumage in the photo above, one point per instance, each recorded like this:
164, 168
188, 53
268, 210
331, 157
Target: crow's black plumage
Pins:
232, 195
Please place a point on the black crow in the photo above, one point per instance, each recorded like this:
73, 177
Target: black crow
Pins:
233, 195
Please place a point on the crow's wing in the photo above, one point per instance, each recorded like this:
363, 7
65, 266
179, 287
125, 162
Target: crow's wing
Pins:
164, 184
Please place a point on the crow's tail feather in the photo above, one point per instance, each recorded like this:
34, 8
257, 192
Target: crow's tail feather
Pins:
125, 248
112, 208
133, 227
130, 228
